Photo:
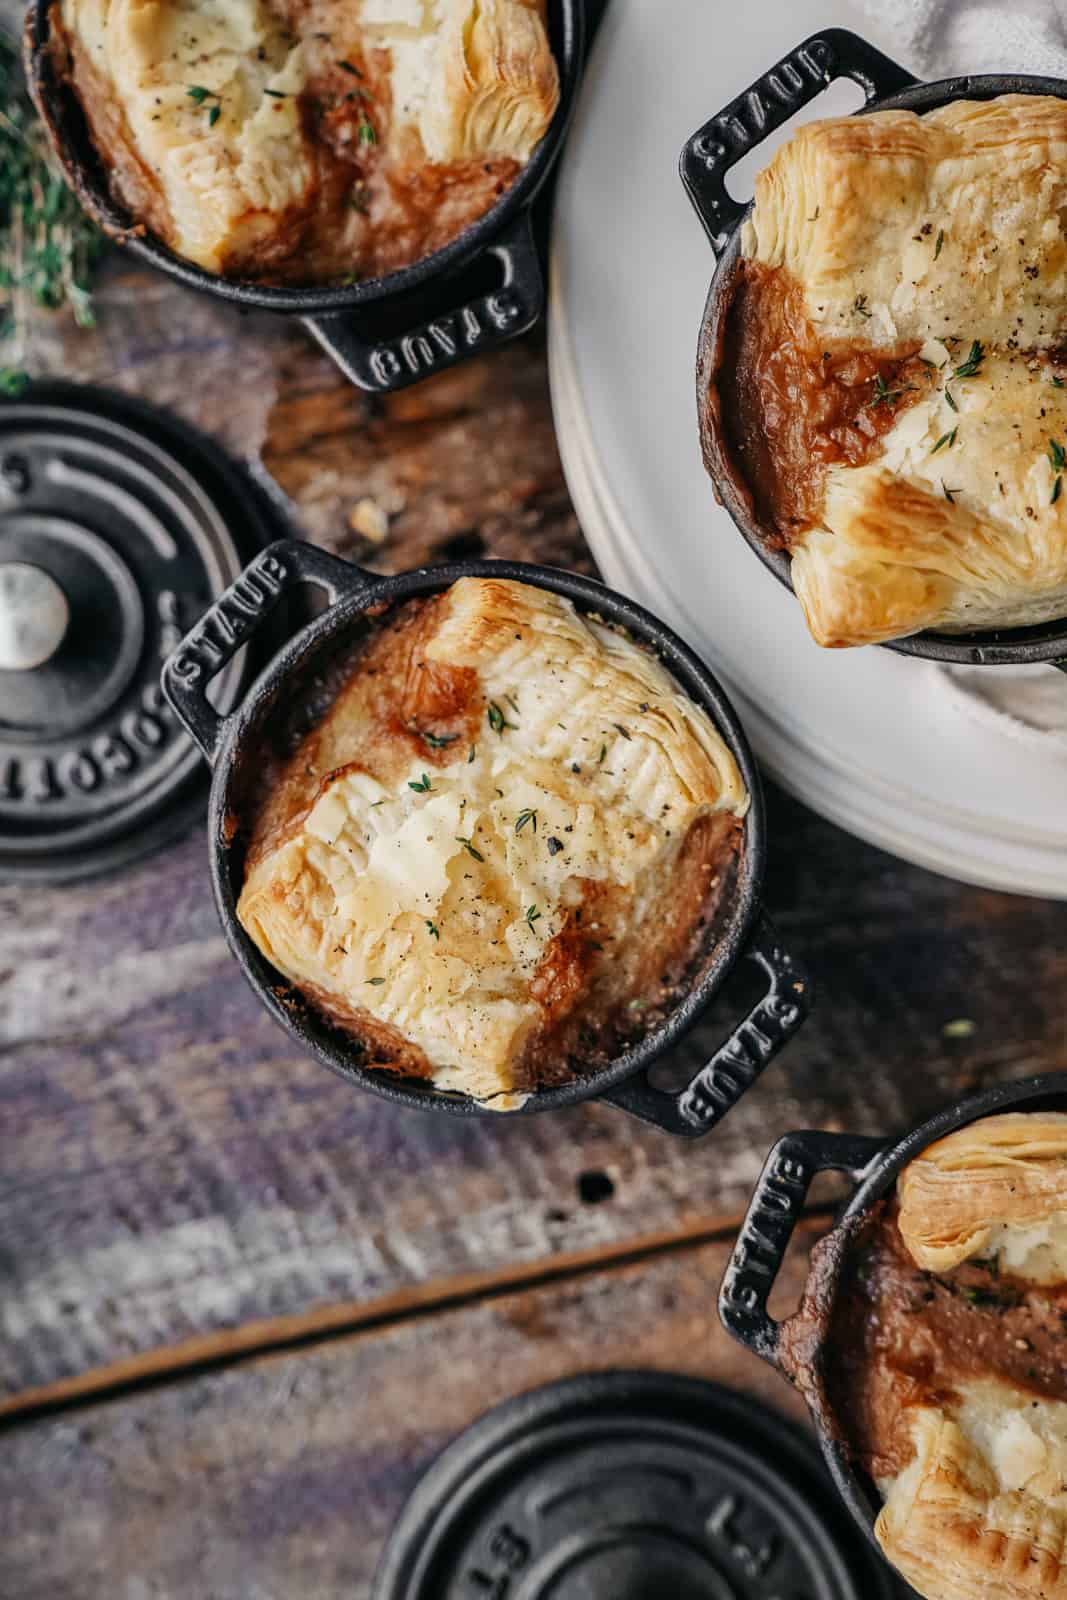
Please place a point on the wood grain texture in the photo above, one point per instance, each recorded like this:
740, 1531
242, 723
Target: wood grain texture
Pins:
172, 1168
283, 1476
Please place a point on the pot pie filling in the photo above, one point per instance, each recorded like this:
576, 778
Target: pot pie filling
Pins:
499, 857
944, 1360
309, 141
888, 393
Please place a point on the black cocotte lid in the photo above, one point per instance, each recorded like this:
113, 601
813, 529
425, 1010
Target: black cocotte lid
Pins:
118, 526
629, 1486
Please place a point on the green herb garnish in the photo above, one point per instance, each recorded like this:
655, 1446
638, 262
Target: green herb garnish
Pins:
497, 720
200, 96
1056, 455
884, 395
523, 818
375, 983
276, 94
1057, 383
603, 753
438, 741
48, 246
975, 357
948, 439
423, 786
939, 242
951, 400
950, 494
532, 915
860, 305
469, 847
432, 929
1056, 487
367, 134
470, 755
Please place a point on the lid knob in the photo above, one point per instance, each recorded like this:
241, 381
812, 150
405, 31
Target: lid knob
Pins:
34, 616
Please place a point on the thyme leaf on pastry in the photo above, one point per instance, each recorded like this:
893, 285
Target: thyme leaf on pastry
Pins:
1057, 382
200, 96
1056, 455
433, 930
860, 305
950, 494
939, 242
367, 134
375, 983
1056, 487
422, 786
951, 400
884, 396
469, 847
497, 720
437, 741
973, 363
948, 439
532, 915
523, 818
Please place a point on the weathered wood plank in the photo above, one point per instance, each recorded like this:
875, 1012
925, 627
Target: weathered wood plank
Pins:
283, 1476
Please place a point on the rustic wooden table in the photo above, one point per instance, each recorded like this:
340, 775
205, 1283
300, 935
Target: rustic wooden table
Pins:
242, 1306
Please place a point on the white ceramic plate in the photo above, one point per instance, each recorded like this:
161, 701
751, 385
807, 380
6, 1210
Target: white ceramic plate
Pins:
873, 740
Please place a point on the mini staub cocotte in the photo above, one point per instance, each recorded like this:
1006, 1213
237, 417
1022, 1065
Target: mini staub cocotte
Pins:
889, 394
328, 142
500, 849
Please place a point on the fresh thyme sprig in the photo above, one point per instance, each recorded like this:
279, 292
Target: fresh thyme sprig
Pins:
48, 246
884, 395
973, 363
200, 96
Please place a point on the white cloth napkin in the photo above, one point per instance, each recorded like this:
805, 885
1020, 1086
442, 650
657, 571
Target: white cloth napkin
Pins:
938, 39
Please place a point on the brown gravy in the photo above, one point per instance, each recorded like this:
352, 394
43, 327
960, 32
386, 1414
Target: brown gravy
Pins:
602, 984
789, 408
896, 1336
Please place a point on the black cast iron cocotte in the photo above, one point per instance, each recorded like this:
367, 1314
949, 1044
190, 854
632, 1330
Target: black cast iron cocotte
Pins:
777, 1202
384, 333
707, 158
232, 744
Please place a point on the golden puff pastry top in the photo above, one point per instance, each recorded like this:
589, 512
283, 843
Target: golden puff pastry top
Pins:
997, 1188
255, 157
980, 1512
431, 898
939, 237
903, 227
